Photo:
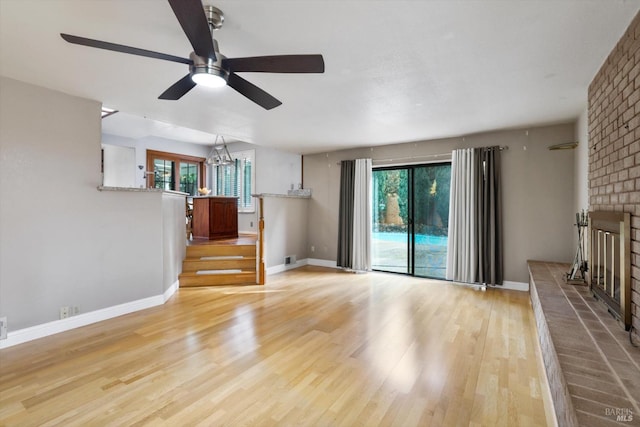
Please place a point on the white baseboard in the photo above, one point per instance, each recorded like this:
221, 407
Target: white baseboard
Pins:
171, 290
322, 262
280, 268
44, 330
506, 284
514, 286
302, 262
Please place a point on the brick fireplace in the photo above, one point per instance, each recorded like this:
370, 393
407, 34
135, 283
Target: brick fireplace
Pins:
614, 145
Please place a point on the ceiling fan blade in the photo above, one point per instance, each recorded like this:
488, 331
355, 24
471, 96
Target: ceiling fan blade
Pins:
276, 64
122, 48
252, 92
178, 89
190, 14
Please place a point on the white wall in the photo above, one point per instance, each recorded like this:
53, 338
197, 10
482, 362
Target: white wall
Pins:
276, 173
141, 145
537, 192
63, 242
119, 166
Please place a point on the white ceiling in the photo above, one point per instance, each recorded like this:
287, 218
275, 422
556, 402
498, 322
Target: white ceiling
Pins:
396, 71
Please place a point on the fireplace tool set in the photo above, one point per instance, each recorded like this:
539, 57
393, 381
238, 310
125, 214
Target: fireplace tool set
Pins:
577, 275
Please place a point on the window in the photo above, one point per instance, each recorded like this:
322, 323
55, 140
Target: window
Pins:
237, 179
177, 172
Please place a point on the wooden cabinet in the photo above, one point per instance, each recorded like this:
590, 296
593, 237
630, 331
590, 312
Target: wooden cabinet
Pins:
215, 217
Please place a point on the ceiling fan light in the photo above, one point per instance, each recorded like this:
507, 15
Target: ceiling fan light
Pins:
209, 80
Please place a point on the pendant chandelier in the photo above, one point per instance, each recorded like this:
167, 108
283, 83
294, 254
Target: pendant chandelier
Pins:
219, 155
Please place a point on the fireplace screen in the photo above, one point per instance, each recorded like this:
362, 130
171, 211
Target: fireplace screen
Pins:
610, 255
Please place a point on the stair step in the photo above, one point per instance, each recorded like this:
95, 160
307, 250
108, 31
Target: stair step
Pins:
218, 271
222, 263
236, 277
199, 251
209, 258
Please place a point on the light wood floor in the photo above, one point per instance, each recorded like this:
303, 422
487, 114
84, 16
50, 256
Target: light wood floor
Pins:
314, 347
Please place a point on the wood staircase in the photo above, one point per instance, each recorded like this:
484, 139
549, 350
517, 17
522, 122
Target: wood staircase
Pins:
214, 264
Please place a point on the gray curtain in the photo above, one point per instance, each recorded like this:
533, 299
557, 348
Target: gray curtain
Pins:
474, 253
345, 219
489, 216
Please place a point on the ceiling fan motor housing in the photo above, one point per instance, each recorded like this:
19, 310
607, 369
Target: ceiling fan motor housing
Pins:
203, 65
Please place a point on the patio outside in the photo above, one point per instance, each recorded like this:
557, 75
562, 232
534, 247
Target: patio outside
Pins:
405, 200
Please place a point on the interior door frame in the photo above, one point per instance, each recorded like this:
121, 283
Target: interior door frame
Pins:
152, 155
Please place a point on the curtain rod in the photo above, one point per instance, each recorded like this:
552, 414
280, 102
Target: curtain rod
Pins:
425, 156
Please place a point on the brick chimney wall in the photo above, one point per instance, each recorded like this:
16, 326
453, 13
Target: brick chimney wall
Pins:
614, 144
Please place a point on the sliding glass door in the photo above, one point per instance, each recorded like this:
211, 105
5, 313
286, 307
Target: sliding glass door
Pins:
431, 218
390, 243
177, 172
410, 219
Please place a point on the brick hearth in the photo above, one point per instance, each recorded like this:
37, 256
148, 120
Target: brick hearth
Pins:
592, 367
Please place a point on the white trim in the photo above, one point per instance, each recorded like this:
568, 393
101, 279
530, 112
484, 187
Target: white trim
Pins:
44, 330
506, 284
513, 286
300, 263
322, 262
170, 291
280, 268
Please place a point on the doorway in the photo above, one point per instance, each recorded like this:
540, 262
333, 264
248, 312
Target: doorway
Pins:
410, 219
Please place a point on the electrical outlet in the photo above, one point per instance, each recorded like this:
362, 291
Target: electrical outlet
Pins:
313, 248
74, 310
64, 312
251, 224
3, 328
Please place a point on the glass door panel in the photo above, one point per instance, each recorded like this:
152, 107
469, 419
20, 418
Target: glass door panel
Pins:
431, 217
390, 243
163, 174
189, 178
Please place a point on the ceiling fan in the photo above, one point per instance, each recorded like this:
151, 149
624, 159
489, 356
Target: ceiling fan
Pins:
207, 66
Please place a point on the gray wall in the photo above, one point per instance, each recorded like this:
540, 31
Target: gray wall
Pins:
63, 242
286, 228
174, 238
538, 192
